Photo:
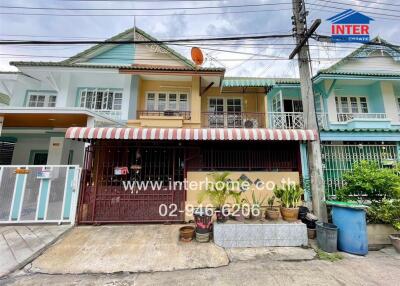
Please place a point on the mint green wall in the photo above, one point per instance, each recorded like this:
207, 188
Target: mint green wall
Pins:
121, 54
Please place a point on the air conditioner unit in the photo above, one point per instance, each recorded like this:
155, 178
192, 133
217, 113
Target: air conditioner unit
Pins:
250, 123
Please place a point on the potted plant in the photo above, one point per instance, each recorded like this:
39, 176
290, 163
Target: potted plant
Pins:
218, 193
272, 212
290, 197
255, 205
240, 208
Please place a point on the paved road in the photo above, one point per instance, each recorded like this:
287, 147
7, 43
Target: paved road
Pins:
378, 268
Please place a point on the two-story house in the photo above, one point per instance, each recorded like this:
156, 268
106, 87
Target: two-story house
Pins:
358, 109
145, 113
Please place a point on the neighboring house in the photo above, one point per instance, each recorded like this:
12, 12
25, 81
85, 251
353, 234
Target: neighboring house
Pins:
358, 106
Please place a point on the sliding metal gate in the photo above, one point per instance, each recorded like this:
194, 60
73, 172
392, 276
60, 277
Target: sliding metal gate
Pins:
339, 159
38, 194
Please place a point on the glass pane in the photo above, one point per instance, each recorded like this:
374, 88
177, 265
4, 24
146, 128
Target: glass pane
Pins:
172, 101
161, 101
83, 98
354, 105
150, 101
337, 105
183, 102
364, 105
89, 99
52, 101
110, 101
99, 100
344, 104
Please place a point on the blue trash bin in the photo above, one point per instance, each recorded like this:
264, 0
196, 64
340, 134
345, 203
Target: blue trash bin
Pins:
351, 221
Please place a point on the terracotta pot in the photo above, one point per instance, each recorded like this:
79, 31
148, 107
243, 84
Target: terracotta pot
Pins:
311, 233
290, 214
395, 239
273, 213
186, 233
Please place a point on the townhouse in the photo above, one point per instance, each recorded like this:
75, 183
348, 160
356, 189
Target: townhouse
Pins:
358, 109
145, 113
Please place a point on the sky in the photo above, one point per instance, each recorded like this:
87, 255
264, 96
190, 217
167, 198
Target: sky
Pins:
250, 58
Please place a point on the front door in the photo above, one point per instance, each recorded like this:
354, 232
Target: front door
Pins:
132, 183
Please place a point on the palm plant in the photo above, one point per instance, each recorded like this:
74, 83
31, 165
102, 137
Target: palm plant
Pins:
289, 195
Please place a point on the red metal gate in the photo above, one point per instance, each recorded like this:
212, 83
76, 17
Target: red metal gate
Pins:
111, 195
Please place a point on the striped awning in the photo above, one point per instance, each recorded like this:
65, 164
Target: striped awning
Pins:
241, 134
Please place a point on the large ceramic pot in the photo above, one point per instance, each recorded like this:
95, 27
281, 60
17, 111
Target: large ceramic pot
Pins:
395, 239
290, 214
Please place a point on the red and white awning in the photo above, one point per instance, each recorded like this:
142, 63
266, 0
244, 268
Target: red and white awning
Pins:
241, 134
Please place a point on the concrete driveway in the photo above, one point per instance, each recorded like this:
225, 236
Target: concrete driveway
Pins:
21, 244
127, 248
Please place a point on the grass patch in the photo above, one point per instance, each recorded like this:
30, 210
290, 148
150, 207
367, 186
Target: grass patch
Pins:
332, 257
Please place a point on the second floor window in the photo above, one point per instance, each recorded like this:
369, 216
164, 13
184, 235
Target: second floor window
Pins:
41, 100
351, 104
161, 101
100, 99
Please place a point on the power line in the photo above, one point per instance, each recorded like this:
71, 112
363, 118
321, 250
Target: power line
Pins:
361, 6
145, 15
84, 42
372, 2
372, 13
143, 9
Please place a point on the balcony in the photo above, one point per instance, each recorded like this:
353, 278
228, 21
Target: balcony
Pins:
362, 121
170, 113
113, 114
233, 119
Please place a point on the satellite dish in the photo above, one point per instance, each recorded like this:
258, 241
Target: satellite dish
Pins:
197, 56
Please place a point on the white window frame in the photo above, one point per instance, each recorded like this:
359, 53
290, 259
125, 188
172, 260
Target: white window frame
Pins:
46, 101
167, 100
339, 108
104, 101
225, 103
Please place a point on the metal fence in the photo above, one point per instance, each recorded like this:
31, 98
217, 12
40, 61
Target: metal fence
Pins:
38, 194
339, 159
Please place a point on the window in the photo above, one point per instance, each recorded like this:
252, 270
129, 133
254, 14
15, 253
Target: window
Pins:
37, 99
100, 99
398, 104
162, 101
352, 104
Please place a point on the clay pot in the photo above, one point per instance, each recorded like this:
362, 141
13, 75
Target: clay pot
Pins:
290, 214
311, 233
186, 233
273, 213
222, 215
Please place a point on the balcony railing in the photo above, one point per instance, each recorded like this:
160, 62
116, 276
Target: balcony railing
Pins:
113, 114
233, 119
184, 114
286, 120
343, 117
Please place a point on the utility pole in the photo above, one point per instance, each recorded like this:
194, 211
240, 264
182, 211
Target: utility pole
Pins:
307, 95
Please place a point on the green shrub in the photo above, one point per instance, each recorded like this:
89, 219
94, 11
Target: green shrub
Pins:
386, 211
289, 195
370, 182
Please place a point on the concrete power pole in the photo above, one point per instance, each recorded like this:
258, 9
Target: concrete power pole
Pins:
314, 147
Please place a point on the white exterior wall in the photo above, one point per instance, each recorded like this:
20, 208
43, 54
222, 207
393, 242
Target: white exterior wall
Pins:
25, 145
389, 100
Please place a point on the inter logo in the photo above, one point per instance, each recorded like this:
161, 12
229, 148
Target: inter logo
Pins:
350, 26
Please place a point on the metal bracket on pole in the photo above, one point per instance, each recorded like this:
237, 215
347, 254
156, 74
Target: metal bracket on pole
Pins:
307, 35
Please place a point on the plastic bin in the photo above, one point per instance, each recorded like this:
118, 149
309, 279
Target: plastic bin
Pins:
327, 236
351, 221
